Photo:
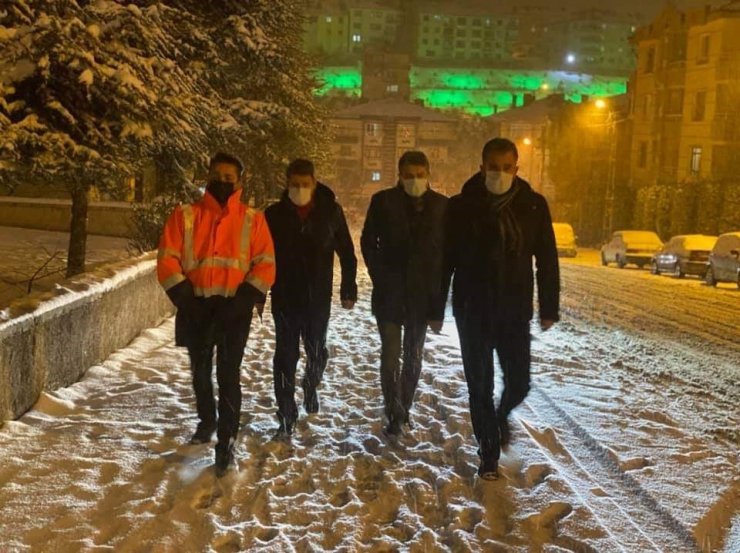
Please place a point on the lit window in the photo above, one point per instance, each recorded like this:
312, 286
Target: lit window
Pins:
373, 129
356, 38
328, 19
392, 88
695, 160
375, 176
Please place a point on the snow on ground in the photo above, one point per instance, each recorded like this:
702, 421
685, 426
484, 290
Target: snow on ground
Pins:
25, 251
627, 442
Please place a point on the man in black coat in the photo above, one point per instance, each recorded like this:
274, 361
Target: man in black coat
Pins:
307, 226
495, 226
403, 246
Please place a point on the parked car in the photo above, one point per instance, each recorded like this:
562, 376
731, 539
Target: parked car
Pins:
724, 261
687, 254
630, 246
565, 239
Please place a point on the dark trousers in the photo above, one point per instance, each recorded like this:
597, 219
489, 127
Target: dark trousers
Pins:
219, 327
478, 340
399, 380
290, 329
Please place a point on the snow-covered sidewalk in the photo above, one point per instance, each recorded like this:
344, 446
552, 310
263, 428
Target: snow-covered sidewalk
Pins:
610, 454
42, 255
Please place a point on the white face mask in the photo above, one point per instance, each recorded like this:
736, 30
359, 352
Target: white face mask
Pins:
300, 196
415, 187
498, 182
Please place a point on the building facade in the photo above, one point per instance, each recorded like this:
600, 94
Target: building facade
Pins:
685, 96
370, 138
432, 32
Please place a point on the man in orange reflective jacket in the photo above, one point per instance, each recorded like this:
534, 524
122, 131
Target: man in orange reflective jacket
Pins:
216, 261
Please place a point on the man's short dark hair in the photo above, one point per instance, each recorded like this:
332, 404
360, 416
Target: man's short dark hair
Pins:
413, 157
302, 167
223, 157
499, 146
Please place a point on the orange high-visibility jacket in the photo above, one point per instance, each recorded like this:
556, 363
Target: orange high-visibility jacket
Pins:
216, 248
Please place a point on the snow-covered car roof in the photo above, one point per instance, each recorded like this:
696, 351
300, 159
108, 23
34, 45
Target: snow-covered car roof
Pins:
695, 241
640, 236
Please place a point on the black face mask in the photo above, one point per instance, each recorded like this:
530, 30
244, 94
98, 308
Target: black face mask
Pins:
220, 190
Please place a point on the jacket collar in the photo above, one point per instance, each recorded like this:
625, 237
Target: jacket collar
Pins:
211, 203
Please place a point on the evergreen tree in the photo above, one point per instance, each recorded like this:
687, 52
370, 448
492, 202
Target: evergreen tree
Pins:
88, 92
91, 91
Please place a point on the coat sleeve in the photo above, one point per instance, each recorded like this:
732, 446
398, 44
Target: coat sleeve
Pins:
345, 249
261, 274
451, 247
170, 272
437, 308
548, 268
370, 240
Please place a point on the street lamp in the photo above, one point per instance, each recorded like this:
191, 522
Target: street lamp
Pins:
527, 141
570, 59
601, 104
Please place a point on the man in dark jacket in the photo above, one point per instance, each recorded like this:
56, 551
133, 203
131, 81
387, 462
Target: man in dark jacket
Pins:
494, 229
307, 226
402, 243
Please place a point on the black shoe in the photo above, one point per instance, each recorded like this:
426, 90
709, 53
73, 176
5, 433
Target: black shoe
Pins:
504, 431
408, 422
488, 470
224, 458
393, 428
284, 432
310, 400
203, 433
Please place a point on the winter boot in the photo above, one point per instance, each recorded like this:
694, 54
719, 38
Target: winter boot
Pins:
203, 433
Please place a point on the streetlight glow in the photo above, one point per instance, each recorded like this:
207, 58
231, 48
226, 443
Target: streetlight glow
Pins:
527, 141
570, 58
601, 104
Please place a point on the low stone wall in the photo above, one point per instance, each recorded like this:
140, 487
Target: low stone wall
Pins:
104, 218
52, 346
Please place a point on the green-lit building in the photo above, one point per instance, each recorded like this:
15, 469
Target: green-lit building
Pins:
477, 91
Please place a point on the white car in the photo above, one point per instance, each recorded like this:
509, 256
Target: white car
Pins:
724, 261
565, 239
683, 255
631, 246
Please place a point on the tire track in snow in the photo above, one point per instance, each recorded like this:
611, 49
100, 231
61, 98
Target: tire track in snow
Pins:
589, 470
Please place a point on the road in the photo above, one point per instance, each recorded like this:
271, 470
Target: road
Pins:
627, 442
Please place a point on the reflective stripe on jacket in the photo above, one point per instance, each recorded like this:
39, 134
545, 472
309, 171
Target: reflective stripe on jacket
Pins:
216, 248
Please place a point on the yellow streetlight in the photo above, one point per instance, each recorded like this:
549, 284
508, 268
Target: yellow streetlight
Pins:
601, 104
527, 141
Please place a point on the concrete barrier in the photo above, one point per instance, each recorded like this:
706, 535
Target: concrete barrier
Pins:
53, 345
104, 218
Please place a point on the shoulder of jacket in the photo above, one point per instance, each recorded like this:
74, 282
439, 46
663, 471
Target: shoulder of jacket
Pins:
439, 197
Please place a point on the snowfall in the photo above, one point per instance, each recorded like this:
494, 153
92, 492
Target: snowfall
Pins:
628, 442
